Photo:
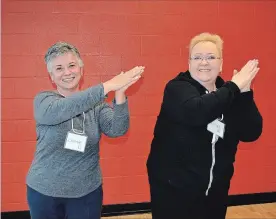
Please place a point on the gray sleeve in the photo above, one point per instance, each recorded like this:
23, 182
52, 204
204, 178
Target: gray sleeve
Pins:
114, 121
50, 109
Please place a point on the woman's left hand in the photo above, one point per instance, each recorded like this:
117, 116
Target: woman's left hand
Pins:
123, 89
120, 94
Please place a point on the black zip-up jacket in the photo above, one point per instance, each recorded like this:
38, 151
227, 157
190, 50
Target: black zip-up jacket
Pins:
181, 150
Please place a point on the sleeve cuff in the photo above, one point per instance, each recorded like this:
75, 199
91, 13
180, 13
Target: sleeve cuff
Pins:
97, 91
246, 97
121, 109
233, 87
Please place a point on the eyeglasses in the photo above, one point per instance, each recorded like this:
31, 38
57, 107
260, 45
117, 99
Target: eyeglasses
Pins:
209, 58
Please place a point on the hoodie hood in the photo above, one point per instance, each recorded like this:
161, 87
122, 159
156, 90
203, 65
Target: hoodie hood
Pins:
186, 76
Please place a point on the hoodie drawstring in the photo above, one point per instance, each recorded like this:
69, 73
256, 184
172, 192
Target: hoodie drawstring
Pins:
214, 140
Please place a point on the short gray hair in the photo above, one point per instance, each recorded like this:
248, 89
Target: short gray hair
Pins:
61, 48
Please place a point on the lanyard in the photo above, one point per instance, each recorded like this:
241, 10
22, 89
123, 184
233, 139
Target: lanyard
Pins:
214, 141
76, 130
83, 127
220, 119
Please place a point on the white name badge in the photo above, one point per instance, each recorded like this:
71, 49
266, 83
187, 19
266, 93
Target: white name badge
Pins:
75, 142
217, 128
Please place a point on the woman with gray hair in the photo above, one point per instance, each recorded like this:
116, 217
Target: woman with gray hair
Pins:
65, 179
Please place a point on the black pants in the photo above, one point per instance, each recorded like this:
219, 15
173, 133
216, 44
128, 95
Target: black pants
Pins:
168, 201
46, 207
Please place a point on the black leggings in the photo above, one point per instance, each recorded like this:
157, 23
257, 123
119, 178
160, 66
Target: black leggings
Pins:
168, 201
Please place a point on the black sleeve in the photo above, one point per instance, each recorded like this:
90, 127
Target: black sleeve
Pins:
249, 121
183, 103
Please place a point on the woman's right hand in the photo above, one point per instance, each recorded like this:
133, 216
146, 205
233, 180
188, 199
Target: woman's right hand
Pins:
123, 79
246, 74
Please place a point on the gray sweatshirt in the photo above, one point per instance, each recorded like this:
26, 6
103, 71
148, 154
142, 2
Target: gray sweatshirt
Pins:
60, 172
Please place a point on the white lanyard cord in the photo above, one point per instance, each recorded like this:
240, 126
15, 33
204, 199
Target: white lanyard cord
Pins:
83, 127
75, 130
207, 92
214, 140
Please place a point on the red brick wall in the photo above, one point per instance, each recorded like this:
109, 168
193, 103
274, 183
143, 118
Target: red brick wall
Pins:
114, 36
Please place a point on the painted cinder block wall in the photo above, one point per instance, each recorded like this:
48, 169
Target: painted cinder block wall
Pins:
116, 35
